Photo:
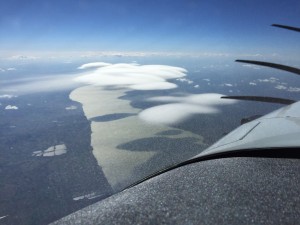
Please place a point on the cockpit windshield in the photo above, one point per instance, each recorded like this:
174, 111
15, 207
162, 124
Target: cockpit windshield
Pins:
97, 95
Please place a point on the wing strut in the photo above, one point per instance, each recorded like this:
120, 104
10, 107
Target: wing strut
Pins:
287, 27
272, 65
262, 99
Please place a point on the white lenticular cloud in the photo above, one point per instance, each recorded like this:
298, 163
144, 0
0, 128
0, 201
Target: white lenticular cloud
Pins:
208, 99
132, 76
154, 86
173, 113
154, 77
183, 107
41, 84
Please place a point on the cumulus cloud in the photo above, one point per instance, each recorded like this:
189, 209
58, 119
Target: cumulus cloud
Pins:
132, 76
7, 96
185, 80
11, 107
180, 108
51, 151
8, 69
72, 107
269, 80
278, 85
2, 217
293, 89
11, 69
281, 87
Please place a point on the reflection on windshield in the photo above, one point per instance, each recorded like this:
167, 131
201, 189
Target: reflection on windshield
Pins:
79, 136
96, 95
86, 132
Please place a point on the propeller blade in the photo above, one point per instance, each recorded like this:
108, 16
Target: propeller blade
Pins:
262, 99
287, 27
272, 65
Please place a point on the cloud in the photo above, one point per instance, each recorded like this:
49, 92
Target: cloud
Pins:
8, 69
2, 217
154, 86
11, 107
11, 69
183, 107
132, 76
185, 80
22, 57
278, 85
173, 113
293, 89
40, 84
281, 87
93, 65
251, 66
269, 80
51, 151
7, 96
72, 107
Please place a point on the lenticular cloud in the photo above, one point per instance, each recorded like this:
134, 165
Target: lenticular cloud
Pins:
131, 76
173, 109
179, 109
93, 65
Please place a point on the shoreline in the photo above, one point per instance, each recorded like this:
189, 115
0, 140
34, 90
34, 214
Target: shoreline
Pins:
118, 165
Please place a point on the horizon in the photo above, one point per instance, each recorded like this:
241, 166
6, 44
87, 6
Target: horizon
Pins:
187, 27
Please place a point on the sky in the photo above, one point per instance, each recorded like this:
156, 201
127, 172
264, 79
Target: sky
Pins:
142, 25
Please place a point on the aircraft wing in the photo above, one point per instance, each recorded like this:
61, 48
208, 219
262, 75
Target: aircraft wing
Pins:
278, 129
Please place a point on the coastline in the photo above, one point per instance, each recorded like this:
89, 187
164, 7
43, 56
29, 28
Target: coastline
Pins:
118, 164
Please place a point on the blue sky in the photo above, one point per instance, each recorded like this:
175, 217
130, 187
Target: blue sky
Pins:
148, 25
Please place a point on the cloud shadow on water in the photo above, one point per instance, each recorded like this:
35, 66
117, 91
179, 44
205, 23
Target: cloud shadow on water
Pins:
162, 144
169, 151
170, 132
111, 117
